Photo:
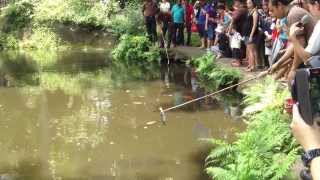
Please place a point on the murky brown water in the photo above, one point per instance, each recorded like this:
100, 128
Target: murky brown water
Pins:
82, 118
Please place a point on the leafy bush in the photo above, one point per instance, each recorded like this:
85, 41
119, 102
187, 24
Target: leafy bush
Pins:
135, 50
130, 21
17, 15
48, 39
9, 41
266, 150
80, 12
213, 75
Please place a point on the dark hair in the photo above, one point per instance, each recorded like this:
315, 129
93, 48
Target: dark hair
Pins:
255, 3
313, 1
222, 7
240, 1
283, 2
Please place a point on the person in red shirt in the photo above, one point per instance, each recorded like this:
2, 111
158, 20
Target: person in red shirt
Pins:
188, 19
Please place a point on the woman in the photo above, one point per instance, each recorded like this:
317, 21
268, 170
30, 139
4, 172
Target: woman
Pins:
251, 35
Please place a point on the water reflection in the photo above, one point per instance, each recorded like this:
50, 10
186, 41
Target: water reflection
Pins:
81, 117
182, 84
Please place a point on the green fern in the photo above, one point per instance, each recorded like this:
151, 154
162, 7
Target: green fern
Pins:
266, 150
212, 75
219, 173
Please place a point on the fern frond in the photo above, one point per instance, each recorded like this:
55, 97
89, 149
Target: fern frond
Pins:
218, 173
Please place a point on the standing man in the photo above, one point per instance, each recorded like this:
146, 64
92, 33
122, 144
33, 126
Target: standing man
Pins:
149, 10
189, 17
210, 25
200, 21
178, 15
165, 22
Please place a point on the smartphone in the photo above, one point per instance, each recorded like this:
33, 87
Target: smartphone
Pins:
315, 93
306, 91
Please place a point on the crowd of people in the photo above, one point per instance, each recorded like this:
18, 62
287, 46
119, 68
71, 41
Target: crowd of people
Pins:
255, 33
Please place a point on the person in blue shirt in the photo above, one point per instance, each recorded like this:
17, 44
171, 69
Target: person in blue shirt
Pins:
210, 24
201, 21
178, 16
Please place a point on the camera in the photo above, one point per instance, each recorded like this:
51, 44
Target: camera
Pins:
305, 90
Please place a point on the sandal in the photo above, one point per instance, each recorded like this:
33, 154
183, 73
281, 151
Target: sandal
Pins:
235, 63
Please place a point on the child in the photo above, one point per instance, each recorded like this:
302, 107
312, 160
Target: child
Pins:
235, 44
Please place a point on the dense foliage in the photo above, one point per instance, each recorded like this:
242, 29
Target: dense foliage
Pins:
25, 23
20, 28
135, 50
213, 75
17, 15
266, 150
129, 21
80, 12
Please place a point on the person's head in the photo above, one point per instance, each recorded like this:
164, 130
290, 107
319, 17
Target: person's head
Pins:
202, 3
251, 4
164, 1
179, 2
238, 4
278, 8
314, 8
221, 9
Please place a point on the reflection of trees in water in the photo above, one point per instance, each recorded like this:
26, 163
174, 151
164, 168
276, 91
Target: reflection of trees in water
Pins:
121, 72
65, 127
182, 83
77, 131
16, 69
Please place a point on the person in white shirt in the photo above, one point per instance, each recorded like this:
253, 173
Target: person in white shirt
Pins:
164, 6
164, 21
235, 39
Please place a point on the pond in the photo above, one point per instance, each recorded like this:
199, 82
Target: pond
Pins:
75, 115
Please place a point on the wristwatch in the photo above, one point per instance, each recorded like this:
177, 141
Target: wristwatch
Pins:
309, 155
